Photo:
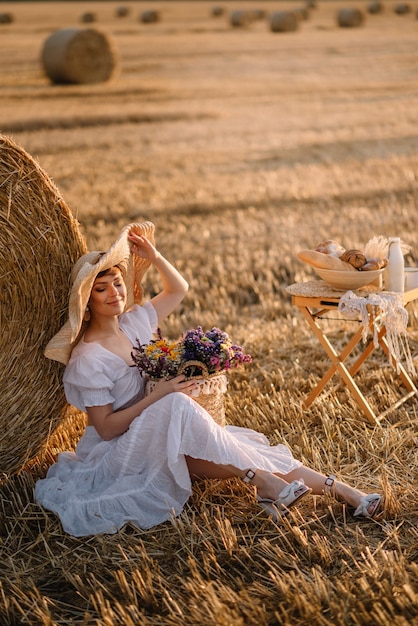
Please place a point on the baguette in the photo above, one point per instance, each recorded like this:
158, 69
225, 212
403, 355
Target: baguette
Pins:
326, 261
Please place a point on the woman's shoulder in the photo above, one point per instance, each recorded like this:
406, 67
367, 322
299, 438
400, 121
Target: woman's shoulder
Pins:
89, 359
144, 315
85, 351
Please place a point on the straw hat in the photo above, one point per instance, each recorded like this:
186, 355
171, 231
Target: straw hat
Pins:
83, 276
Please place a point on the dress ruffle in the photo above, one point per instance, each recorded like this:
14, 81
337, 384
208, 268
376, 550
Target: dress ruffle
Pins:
142, 477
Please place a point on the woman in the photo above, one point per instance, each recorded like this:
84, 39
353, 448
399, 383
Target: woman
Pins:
139, 455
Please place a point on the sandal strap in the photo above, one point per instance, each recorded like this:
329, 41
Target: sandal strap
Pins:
249, 475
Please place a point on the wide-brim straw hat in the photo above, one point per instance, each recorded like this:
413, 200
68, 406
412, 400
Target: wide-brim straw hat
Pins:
83, 275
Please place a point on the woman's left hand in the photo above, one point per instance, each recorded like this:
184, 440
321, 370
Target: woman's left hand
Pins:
142, 247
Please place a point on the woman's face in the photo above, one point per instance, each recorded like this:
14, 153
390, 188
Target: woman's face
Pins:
108, 295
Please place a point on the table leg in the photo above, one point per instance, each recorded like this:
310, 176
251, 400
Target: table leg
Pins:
402, 372
382, 342
337, 366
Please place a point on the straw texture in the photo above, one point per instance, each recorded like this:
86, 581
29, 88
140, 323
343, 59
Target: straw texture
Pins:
39, 243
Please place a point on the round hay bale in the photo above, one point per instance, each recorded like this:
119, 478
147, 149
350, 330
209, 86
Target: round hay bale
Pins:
150, 17
122, 11
6, 18
79, 56
88, 18
39, 243
402, 8
240, 18
375, 7
350, 18
217, 11
284, 22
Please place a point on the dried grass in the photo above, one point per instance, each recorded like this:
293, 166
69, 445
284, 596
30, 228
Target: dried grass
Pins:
290, 152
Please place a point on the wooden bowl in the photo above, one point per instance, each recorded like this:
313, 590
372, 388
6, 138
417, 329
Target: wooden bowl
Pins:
345, 281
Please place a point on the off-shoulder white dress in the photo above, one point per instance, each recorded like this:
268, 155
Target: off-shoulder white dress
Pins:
141, 476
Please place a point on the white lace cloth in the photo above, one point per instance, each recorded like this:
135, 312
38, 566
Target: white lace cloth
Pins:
391, 313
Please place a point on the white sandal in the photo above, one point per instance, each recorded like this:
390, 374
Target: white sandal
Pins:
288, 497
371, 501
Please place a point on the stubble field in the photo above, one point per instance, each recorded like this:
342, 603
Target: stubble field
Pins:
242, 146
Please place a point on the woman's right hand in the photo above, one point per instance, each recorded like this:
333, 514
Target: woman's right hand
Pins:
176, 384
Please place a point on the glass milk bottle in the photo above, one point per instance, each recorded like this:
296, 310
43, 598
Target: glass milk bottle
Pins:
394, 274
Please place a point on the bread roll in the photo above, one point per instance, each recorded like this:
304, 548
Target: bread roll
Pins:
356, 258
326, 261
374, 264
330, 247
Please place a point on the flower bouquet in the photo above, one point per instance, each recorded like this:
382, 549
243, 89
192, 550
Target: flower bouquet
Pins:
204, 356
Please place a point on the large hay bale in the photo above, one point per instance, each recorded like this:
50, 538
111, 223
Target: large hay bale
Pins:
79, 56
39, 243
284, 22
240, 18
150, 17
350, 18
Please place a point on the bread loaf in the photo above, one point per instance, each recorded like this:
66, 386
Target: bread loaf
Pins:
326, 261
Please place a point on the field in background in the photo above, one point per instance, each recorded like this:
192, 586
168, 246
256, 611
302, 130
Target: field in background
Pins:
243, 146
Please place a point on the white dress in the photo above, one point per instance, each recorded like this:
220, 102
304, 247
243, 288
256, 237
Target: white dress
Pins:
141, 476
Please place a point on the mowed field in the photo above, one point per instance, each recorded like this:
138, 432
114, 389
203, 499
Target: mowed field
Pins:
243, 146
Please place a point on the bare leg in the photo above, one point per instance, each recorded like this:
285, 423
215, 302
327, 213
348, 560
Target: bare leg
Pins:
268, 485
316, 481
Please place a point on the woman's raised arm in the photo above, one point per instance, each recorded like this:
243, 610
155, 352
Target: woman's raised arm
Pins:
174, 285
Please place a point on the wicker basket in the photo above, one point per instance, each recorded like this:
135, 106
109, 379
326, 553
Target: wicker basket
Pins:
210, 391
